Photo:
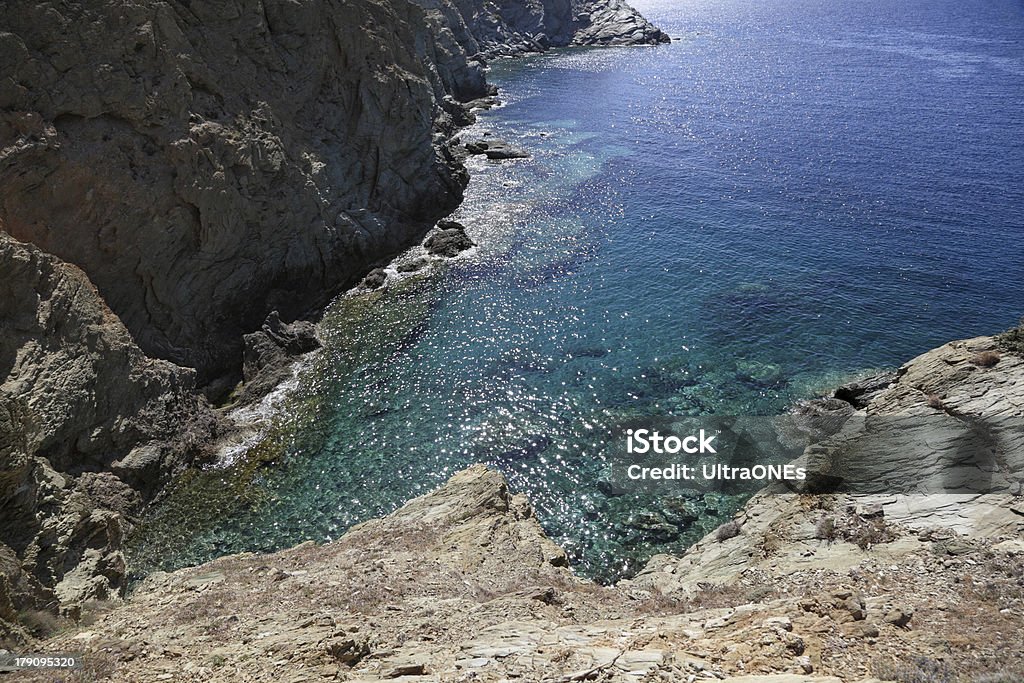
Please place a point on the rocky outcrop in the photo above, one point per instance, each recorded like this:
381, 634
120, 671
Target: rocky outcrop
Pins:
516, 27
206, 163
449, 240
461, 584
270, 351
938, 448
89, 428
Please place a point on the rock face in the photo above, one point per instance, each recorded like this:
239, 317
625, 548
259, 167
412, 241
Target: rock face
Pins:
206, 163
79, 400
515, 27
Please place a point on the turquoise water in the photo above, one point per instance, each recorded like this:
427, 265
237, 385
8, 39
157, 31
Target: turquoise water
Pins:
790, 194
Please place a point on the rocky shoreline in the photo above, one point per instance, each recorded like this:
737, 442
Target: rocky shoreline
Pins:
173, 210
462, 585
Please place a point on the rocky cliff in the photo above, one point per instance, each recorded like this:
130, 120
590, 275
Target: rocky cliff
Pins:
178, 177
207, 163
514, 27
462, 585
89, 427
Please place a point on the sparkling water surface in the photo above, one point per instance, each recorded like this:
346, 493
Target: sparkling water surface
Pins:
790, 194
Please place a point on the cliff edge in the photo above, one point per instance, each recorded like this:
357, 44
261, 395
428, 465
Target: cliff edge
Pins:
462, 584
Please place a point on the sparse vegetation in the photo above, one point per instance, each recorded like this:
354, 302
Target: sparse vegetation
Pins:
825, 529
986, 359
1013, 340
935, 401
1001, 677
866, 533
916, 669
40, 623
727, 531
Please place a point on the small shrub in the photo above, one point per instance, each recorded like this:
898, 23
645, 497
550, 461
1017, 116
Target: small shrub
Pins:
727, 531
917, 669
865, 533
985, 359
40, 623
1013, 340
825, 529
935, 401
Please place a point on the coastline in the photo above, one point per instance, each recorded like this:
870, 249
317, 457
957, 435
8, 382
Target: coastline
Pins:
231, 157
882, 594
433, 388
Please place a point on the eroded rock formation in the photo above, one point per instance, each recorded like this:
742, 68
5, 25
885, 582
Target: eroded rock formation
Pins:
89, 427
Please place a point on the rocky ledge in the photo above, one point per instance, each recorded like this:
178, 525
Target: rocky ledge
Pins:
463, 585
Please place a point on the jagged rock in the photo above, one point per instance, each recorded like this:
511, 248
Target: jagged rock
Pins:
495, 149
412, 266
518, 28
294, 338
269, 354
859, 393
505, 151
375, 279
448, 240
77, 395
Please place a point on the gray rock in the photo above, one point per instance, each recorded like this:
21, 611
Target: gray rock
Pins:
898, 617
859, 393
499, 152
375, 279
450, 239
223, 178
77, 395
412, 266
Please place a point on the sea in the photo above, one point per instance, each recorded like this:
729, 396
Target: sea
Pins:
790, 195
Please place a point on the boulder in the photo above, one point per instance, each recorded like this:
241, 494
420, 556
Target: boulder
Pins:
448, 240
375, 279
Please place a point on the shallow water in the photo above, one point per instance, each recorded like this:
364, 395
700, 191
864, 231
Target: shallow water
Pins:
790, 194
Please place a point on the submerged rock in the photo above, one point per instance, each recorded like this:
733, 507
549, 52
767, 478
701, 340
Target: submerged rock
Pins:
496, 149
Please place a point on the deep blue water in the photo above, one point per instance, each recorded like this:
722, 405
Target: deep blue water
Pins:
790, 194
